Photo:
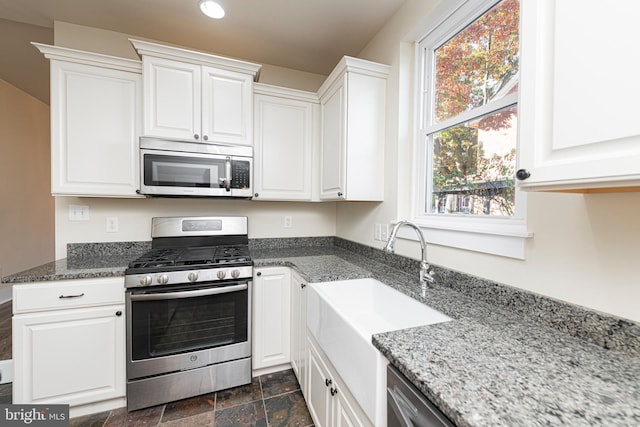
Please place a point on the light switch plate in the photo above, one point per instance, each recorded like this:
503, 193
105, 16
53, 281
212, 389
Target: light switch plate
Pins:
78, 213
112, 224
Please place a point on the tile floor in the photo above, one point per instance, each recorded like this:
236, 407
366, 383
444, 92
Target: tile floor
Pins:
270, 400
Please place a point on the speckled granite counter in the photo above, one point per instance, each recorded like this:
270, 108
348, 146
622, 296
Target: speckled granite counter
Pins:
85, 261
509, 358
495, 365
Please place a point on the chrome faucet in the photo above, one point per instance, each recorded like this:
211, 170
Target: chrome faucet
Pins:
426, 273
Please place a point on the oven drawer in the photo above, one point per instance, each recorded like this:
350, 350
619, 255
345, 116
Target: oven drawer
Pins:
63, 294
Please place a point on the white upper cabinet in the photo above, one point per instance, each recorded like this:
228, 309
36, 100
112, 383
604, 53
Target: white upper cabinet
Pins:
286, 130
196, 96
579, 121
352, 132
95, 123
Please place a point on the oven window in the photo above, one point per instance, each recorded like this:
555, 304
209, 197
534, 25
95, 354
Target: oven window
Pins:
171, 326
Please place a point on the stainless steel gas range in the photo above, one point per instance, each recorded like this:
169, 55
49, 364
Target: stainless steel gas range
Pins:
189, 310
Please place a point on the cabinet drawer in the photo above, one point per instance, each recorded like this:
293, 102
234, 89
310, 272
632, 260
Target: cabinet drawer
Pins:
56, 295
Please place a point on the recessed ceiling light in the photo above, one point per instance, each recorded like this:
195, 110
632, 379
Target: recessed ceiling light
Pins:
211, 9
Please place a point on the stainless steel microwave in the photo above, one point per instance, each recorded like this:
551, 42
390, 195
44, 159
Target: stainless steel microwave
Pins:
181, 168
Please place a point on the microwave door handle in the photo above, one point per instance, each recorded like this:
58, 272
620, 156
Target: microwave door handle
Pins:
227, 172
226, 181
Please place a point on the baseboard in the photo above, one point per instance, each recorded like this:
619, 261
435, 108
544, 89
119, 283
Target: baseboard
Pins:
6, 371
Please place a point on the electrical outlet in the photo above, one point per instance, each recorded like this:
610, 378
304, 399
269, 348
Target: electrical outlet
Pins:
112, 224
384, 232
78, 213
376, 232
288, 221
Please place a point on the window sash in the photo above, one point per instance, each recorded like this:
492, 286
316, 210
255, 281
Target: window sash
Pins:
477, 229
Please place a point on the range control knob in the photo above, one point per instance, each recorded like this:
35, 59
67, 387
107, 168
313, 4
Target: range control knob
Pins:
163, 279
146, 280
221, 274
193, 276
235, 273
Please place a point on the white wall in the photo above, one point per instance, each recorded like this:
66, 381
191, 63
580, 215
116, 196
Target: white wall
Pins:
266, 219
26, 205
585, 247
583, 251
117, 44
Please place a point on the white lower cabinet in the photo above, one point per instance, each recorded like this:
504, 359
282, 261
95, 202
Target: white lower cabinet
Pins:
329, 401
271, 323
299, 329
69, 344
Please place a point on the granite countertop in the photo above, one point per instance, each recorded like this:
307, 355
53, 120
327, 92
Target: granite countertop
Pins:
495, 364
489, 366
73, 268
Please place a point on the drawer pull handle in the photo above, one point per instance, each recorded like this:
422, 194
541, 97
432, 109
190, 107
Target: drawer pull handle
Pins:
71, 296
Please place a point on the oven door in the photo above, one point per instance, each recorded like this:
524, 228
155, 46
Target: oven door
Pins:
182, 327
175, 173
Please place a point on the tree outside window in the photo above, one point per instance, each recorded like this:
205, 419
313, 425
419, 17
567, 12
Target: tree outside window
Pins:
472, 124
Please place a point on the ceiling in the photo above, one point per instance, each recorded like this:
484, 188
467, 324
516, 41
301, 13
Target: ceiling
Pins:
306, 35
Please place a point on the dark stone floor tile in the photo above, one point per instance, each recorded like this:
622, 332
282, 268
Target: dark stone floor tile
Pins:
141, 418
238, 395
6, 392
189, 407
204, 419
278, 383
93, 420
250, 414
288, 410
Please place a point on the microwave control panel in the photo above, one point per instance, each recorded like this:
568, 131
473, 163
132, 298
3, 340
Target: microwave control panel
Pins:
240, 175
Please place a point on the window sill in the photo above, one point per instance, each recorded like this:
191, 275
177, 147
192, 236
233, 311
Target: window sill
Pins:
506, 238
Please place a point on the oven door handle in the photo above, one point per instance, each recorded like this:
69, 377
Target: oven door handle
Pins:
188, 294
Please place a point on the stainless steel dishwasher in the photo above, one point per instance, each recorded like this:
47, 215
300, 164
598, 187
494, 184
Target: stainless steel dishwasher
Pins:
407, 407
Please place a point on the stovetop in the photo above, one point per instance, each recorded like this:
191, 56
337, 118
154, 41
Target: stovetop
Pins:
193, 250
175, 259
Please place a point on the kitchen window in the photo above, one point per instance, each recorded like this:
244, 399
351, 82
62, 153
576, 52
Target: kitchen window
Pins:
467, 140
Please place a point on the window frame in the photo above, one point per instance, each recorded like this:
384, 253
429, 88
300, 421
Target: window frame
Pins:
503, 236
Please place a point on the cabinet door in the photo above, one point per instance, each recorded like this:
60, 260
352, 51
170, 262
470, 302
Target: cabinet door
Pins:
172, 97
227, 106
95, 124
579, 126
333, 144
271, 317
318, 397
343, 414
69, 356
283, 148
299, 329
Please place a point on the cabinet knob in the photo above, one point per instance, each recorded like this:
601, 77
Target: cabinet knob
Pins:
333, 391
118, 313
256, 195
205, 137
327, 382
339, 194
196, 136
523, 174
258, 274
303, 285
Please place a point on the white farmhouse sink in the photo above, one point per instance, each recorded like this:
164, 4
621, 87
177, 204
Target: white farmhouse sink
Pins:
343, 315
